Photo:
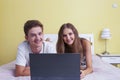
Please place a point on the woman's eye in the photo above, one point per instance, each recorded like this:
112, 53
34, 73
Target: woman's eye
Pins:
70, 33
64, 35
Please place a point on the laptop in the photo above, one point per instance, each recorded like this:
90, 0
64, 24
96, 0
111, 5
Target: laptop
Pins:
55, 66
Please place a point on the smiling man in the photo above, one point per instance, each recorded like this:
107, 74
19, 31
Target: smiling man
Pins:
34, 44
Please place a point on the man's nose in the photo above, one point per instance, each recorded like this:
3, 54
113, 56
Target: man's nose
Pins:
37, 36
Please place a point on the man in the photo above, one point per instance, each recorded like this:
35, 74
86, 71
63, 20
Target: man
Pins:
34, 43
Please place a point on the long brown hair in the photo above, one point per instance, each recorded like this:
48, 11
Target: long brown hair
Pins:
64, 48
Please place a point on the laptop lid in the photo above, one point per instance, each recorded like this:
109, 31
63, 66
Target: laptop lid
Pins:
55, 66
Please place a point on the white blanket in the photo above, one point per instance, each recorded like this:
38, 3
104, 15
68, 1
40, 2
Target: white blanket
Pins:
101, 71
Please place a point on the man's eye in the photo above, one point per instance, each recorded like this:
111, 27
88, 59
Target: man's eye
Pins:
40, 34
32, 35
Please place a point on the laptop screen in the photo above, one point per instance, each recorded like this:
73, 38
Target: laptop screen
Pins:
55, 66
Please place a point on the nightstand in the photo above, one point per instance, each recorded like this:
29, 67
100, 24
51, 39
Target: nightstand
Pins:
111, 58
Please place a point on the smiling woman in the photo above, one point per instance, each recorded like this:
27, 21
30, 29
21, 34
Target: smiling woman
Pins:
70, 42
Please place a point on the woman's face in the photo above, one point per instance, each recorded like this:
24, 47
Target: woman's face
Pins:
68, 36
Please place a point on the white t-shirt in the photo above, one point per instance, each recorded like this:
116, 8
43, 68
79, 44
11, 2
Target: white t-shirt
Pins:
24, 50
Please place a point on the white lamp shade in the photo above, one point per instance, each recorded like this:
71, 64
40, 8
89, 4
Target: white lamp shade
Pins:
106, 34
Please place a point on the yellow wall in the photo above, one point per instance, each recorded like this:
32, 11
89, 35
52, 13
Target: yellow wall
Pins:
89, 16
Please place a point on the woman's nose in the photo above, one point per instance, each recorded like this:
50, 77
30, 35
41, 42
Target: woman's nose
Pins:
68, 37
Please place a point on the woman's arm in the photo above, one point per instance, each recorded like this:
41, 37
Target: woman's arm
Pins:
88, 55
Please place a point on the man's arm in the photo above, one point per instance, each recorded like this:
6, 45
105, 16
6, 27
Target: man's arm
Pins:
22, 71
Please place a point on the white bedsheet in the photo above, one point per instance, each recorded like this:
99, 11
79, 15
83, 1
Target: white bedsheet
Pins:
101, 71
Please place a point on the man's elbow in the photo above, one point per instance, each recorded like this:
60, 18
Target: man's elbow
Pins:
17, 74
22, 73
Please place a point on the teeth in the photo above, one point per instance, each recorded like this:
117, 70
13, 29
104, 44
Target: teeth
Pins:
38, 40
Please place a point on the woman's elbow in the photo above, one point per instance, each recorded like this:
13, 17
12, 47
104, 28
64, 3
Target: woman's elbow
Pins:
91, 69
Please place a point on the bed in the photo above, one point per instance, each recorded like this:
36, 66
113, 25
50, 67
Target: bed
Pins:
101, 69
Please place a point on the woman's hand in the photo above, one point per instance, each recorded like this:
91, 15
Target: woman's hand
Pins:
82, 74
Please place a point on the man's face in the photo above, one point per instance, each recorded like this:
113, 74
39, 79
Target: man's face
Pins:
35, 37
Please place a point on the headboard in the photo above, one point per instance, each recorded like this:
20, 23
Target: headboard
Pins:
53, 39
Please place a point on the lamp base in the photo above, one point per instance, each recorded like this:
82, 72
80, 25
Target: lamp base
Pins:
105, 53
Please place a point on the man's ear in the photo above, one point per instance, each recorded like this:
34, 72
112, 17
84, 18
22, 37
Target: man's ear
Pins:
26, 37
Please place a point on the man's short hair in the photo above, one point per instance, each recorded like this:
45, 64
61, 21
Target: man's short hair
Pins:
30, 24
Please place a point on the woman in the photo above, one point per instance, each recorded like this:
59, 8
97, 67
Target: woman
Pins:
69, 42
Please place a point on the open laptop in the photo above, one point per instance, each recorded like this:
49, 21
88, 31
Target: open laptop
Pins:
55, 66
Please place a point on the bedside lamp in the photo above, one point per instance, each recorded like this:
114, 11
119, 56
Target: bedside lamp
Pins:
105, 35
